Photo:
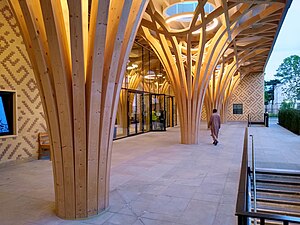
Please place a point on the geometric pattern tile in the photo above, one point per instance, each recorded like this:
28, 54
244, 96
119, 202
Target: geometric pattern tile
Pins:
203, 114
16, 74
250, 93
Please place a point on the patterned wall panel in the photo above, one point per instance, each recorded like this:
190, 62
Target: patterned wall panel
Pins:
16, 74
203, 114
250, 93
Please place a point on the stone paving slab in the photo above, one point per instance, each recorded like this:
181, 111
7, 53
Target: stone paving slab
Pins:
276, 147
154, 180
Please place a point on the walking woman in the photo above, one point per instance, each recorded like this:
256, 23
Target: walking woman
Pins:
215, 125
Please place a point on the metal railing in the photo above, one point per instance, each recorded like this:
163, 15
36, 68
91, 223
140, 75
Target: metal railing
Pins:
253, 176
265, 122
243, 204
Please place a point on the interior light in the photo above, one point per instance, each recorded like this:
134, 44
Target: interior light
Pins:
133, 66
130, 67
150, 76
179, 17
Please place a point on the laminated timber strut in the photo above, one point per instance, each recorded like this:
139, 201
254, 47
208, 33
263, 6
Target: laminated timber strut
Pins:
234, 38
224, 73
79, 51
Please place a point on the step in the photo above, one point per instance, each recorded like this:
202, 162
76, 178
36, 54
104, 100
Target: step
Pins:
268, 222
286, 210
278, 198
277, 189
278, 201
284, 172
278, 180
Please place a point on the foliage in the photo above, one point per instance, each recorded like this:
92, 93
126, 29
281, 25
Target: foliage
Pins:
286, 105
273, 115
267, 97
290, 119
289, 74
269, 90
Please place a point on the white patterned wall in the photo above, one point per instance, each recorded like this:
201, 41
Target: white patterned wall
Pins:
250, 93
16, 74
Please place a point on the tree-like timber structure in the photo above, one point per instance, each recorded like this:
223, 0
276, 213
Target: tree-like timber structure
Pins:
201, 63
79, 50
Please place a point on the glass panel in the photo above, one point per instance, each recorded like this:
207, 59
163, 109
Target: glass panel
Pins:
158, 114
3, 118
237, 108
7, 113
121, 119
147, 113
134, 68
146, 69
132, 112
139, 112
168, 99
174, 111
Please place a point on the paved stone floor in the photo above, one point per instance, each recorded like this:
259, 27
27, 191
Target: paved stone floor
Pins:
154, 180
276, 147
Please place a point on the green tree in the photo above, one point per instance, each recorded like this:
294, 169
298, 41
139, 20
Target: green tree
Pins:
286, 105
269, 90
289, 74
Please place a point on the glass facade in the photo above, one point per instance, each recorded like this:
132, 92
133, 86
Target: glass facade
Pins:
147, 101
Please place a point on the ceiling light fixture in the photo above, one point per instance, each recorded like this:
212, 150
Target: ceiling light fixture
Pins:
133, 66
183, 12
186, 17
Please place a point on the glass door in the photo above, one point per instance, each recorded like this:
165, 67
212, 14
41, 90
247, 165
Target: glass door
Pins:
158, 112
147, 112
135, 112
121, 125
169, 111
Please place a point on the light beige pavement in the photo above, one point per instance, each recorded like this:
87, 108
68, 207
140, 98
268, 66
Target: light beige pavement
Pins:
276, 147
154, 180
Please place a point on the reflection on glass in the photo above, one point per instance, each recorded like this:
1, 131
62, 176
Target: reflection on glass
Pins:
142, 99
146, 112
158, 113
121, 120
132, 112
3, 119
139, 112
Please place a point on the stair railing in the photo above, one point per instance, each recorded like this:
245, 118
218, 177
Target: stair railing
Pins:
243, 204
254, 178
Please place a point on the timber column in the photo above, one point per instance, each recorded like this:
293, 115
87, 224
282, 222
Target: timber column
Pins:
189, 39
79, 50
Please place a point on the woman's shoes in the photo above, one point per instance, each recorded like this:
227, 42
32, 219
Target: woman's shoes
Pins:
215, 142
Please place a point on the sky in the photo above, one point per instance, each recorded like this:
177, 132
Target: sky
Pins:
288, 40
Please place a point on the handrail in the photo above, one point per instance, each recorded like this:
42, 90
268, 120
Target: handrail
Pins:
267, 216
249, 120
254, 177
243, 204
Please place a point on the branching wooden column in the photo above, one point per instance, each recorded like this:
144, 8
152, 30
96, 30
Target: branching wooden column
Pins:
217, 86
222, 78
79, 53
227, 96
191, 53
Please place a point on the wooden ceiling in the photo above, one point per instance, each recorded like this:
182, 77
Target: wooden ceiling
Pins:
257, 39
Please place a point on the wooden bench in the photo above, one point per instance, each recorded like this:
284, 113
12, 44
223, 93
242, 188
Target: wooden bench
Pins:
44, 145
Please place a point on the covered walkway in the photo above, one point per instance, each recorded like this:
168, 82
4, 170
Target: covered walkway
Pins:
155, 180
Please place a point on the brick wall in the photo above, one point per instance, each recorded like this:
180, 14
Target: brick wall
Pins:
16, 74
250, 93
